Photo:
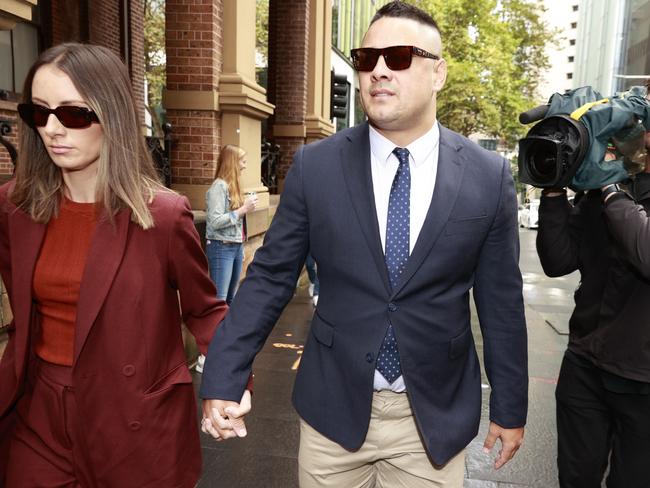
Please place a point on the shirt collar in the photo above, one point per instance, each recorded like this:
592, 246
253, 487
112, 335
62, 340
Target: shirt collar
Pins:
420, 149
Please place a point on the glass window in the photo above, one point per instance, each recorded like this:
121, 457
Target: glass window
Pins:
575, 8
569, 76
6, 63
574, 25
571, 59
489, 144
335, 23
572, 42
25, 45
18, 51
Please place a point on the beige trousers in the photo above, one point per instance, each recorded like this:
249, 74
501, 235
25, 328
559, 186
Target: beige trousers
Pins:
392, 456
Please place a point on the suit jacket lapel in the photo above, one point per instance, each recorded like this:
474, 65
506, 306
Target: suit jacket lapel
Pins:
26, 240
104, 259
355, 163
448, 180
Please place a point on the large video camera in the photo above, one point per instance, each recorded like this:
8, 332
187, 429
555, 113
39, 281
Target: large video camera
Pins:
583, 140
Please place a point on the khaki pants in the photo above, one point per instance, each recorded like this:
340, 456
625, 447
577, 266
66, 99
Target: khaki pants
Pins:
392, 456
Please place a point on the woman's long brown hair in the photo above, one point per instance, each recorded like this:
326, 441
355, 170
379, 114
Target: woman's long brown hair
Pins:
126, 177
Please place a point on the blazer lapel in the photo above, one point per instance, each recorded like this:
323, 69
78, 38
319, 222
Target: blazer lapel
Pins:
448, 180
355, 163
26, 239
104, 258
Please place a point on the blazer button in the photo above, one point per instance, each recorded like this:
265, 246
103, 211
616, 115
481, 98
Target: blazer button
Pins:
135, 425
370, 357
392, 307
128, 370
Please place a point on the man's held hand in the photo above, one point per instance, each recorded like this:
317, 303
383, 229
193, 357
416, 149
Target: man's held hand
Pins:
511, 440
224, 419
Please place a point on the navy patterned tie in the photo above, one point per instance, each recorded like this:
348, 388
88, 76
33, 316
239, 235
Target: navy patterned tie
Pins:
396, 254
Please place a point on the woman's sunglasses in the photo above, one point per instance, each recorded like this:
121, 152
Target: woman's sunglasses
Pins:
396, 57
70, 116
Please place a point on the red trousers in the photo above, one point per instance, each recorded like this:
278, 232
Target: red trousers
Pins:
46, 450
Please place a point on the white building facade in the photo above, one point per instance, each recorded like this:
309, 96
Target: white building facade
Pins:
563, 17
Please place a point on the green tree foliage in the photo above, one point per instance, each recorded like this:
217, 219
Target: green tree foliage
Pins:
262, 28
154, 51
495, 50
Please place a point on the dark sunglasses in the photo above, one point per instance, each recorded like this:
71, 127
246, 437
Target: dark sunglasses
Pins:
396, 57
70, 116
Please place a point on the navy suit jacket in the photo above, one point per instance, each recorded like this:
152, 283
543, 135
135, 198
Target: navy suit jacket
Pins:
469, 241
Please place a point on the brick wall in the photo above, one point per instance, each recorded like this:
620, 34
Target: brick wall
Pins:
197, 138
65, 21
194, 48
287, 82
104, 23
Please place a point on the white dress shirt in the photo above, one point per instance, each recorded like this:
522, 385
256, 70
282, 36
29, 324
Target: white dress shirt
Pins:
423, 165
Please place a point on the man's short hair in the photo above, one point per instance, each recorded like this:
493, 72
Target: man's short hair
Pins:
405, 10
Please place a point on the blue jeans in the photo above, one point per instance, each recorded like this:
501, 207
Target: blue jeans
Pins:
225, 260
310, 264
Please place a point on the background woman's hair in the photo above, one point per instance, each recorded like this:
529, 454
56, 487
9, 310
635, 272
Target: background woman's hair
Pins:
228, 171
126, 177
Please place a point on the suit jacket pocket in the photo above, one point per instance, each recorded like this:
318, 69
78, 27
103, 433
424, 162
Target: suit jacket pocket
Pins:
459, 345
323, 332
178, 375
466, 225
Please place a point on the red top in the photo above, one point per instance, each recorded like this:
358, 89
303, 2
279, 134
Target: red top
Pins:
57, 279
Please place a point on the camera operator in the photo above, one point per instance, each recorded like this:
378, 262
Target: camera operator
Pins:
603, 391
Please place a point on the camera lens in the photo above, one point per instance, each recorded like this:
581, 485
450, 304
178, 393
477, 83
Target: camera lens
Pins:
542, 161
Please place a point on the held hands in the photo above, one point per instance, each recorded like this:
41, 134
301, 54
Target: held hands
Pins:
224, 419
511, 440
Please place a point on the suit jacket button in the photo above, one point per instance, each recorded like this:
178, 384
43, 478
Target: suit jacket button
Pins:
128, 370
135, 425
370, 357
392, 307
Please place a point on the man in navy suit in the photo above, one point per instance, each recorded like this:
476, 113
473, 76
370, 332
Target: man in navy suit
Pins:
404, 217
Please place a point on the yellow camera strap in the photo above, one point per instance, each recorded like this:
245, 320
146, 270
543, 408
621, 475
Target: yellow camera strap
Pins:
579, 112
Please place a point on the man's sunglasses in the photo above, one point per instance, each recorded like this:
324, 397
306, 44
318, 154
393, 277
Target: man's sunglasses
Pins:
396, 57
70, 116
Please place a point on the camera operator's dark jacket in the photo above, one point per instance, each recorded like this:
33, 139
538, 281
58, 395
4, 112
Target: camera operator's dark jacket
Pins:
610, 245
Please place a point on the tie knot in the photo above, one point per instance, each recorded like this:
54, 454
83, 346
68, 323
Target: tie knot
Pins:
402, 154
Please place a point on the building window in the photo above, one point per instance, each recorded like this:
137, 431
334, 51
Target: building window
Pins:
571, 58
18, 51
574, 25
575, 8
572, 42
569, 76
489, 144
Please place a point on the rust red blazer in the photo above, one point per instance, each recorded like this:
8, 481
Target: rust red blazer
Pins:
132, 386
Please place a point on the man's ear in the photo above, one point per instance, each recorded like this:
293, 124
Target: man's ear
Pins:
440, 75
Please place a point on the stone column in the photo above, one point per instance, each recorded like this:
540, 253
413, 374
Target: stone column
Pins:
243, 102
317, 122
